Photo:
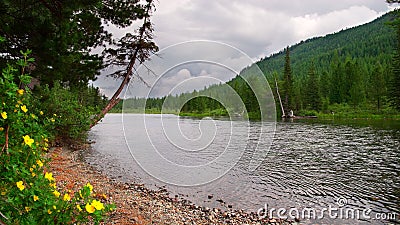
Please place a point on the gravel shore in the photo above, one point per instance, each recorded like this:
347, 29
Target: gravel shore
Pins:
137, 204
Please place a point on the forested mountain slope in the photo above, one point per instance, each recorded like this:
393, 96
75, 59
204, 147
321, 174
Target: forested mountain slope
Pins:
369, 43
349, 70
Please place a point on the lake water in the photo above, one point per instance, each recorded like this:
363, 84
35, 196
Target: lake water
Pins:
344, 174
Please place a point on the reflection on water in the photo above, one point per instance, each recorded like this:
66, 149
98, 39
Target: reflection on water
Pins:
309, 165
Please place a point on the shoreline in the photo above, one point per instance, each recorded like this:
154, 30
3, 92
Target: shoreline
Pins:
137, 204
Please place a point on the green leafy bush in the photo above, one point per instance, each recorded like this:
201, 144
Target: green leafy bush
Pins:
71, 114
28, 191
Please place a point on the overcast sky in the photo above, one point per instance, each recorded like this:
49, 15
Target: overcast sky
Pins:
256, 27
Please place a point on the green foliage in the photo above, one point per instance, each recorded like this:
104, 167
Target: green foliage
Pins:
28, 191
377, 86
288, 91
394, 87
313, 96
72, 109
62, 35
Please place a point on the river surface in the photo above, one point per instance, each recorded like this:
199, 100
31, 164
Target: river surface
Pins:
320, 173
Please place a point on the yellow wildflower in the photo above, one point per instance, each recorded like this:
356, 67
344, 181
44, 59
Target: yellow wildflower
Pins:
55, 115
1, 129
56, 193
4, 115
97, 204
46, 140
33, 116
79, 207
34, 166
40, 164
90, 187
23, 108
3, 193
20, 185
21, 91
27, 209
54, 207
52, 120
35, 198
33, 174
28, 141
19, 102
49, 176
31, 169
41, 113
89, 208
67, 197
49, 211
53, 185
16, 106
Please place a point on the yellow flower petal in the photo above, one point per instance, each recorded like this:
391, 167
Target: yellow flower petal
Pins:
28, 140
23, 108
20, 91
56, 193
40, 164
89, 208
20, 185
4, 115
49, 176
90, 187
35, 198
97, 204
79, 207
67, 197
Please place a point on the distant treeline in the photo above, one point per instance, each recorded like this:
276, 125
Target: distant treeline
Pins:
351, 70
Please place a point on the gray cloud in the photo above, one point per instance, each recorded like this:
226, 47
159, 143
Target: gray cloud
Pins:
257, 27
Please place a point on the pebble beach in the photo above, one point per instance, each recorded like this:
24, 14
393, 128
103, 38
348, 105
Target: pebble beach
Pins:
136, 204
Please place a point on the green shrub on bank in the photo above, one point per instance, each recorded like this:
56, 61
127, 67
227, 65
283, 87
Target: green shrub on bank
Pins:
72, 112
28, 191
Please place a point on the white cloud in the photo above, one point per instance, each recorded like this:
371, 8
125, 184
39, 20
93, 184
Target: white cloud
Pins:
257, 27
311, 25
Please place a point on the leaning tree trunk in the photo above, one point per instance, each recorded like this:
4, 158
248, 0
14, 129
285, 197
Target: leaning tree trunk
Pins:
140, 45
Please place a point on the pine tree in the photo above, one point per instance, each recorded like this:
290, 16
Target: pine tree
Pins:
288, 84
394, 85
377, 85
357, 89
313, 97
